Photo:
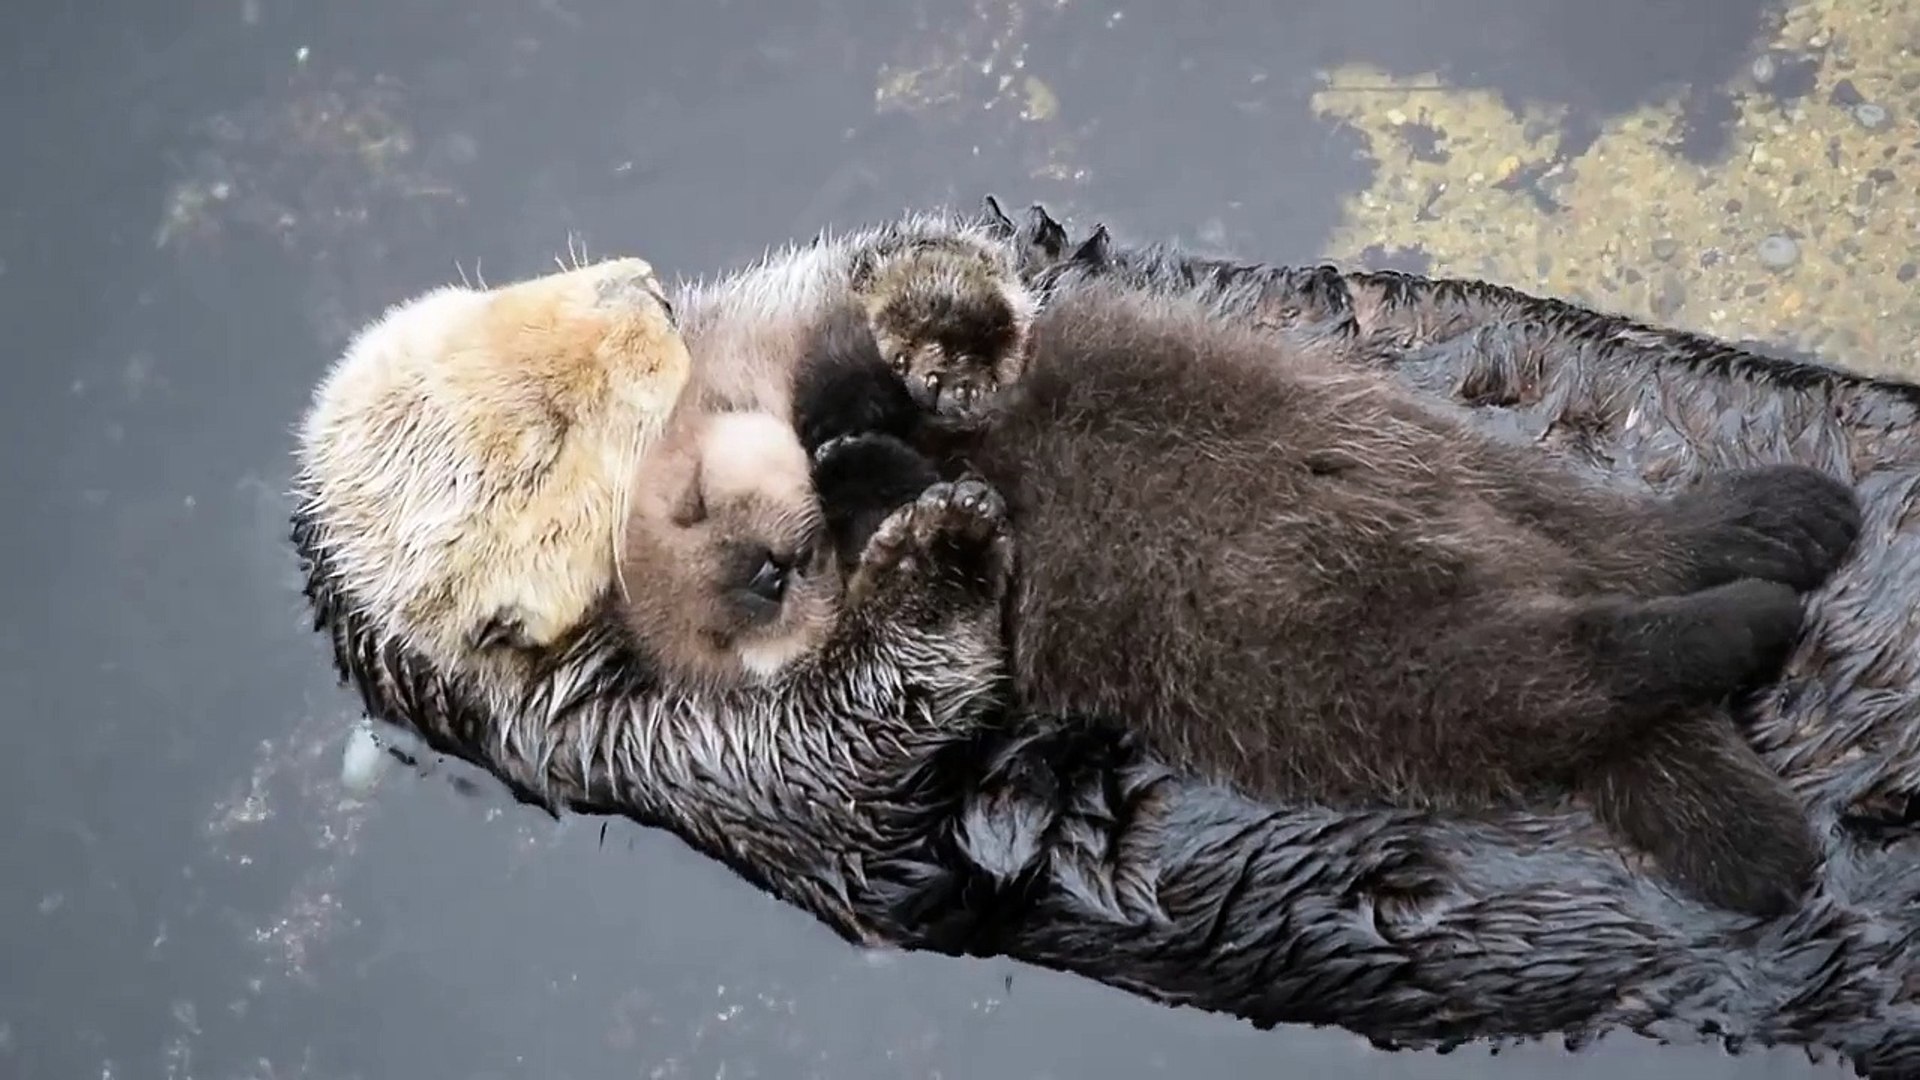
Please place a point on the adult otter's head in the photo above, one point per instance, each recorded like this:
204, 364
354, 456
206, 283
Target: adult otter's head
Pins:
726, 574
951, 316
462, 468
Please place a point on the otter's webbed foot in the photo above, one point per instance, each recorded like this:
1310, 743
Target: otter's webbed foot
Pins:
1718, 822
1785, 523
1671, 652
949, 548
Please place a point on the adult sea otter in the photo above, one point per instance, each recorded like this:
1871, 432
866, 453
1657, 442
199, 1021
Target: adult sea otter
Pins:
1061, 843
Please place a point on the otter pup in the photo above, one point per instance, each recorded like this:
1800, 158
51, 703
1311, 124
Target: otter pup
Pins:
724, 578
726, 571
1290, 574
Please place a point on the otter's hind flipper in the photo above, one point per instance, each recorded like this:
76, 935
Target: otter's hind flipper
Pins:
1717, 820
845, 387
1675, 652
1786, 523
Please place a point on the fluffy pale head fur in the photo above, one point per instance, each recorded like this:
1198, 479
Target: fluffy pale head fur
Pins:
726, 574
415, 536
467, 456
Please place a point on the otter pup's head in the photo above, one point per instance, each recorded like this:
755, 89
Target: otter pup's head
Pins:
951, 316
727, 574
462, 468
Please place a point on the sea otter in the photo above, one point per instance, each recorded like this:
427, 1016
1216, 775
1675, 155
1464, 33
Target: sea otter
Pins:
1053, 844
509, 417
726, 547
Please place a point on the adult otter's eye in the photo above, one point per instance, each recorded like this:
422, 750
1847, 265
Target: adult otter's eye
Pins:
900, 362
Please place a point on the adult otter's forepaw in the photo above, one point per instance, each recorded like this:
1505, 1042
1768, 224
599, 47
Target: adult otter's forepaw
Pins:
952, 539
1786, 523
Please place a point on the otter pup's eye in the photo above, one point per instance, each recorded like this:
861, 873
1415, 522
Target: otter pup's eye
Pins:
900, 362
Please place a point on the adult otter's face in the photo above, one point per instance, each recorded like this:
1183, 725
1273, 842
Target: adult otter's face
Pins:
727, 573
468, 455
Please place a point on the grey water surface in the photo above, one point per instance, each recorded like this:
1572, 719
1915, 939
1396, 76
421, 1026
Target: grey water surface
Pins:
202, 198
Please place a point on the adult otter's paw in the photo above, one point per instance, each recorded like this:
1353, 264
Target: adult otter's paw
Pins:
1785, 523
950, 544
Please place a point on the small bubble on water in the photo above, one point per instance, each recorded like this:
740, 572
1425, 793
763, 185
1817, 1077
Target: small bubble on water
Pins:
1779, 251
1870, 116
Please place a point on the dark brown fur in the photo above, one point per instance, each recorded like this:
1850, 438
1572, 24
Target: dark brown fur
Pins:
950, 318
1294, 577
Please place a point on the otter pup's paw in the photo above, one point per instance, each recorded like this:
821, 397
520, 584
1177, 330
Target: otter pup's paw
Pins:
1673, 651
951, 322
1715, 819
860, 479
950, 543
1785, 523
952, 389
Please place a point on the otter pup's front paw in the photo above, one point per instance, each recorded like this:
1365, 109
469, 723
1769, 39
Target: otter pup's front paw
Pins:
1785, 523
952, 391
952, 539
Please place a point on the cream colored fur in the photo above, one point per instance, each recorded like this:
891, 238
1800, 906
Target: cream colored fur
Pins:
470, 451
468, 457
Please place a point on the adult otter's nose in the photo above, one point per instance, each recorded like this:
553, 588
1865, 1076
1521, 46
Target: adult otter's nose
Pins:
628, 283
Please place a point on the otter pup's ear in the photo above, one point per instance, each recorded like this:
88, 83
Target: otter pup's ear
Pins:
860, 274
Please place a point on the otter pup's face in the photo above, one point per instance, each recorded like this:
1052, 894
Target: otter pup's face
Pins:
951, 319
727, 572
470, 452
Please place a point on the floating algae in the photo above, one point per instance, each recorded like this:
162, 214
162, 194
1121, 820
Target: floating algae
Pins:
1801, 235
